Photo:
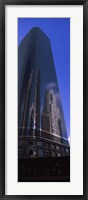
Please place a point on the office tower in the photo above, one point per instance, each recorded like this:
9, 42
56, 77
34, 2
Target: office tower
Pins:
38, 90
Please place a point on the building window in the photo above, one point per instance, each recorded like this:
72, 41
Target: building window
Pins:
54, 154
57, 147
67, 150
40, 152
58, 154
62, 151
52, 146
46, 145
39, 143
47, 153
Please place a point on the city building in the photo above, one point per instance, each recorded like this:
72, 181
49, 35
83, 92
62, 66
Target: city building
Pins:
40, 134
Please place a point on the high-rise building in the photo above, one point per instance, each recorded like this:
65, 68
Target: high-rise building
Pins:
38, 90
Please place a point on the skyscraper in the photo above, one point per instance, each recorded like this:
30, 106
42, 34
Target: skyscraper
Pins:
40, 108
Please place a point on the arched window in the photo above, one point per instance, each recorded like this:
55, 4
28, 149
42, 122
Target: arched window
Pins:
47, 153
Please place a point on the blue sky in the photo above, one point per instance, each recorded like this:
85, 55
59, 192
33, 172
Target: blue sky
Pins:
58, 31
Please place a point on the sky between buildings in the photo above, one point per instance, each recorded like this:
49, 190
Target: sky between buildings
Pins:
58, 31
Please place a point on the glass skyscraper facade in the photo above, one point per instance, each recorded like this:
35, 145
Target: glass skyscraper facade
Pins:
29, 107
40, 113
